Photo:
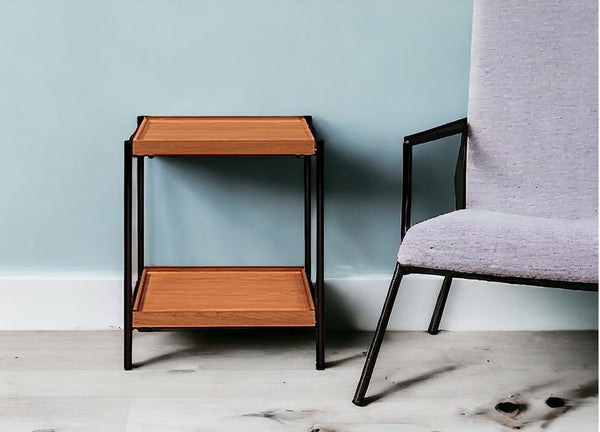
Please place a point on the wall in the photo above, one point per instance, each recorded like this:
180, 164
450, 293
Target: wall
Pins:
75, 75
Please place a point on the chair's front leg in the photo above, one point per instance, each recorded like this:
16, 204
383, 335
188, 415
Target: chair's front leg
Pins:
365, 378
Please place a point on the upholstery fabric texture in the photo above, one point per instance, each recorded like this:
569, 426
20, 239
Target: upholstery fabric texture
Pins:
532, 149
500, 244
533, 108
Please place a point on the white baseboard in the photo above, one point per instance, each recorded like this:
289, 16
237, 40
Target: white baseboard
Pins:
94, 302
61, 302
472, 305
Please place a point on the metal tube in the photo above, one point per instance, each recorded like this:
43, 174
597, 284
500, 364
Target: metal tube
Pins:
460, 174
365, 378
320, 318
127, 303
307, 217
140, 214
406, 188
436, 318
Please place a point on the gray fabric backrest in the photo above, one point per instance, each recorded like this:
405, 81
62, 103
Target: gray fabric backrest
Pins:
533, 108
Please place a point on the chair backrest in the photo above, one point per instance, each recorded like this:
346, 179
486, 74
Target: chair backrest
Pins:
533, 108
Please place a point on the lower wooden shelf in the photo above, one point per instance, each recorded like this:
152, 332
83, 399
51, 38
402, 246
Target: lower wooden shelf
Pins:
223, 297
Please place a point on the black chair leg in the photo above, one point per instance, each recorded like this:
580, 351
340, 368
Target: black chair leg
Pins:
436, 318
365, 378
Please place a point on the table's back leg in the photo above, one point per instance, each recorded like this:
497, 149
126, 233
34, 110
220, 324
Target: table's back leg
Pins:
140, 215
307, 221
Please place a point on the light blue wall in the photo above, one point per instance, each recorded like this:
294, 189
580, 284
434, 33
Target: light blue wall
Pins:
74, 76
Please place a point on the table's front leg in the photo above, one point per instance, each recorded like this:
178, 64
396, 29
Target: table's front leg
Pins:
127, 222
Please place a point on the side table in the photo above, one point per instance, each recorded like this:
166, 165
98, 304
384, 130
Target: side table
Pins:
202, 297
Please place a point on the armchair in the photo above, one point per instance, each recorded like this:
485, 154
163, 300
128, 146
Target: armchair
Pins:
527, 172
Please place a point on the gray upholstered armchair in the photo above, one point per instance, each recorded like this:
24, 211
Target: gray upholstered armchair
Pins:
527, 173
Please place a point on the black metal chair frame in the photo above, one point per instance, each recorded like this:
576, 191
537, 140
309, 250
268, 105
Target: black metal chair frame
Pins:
449, 129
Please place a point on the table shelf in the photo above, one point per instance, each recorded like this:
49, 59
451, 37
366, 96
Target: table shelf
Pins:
223, 297
223, 136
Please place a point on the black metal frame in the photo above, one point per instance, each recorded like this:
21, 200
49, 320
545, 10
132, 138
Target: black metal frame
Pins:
443, 131
316, 287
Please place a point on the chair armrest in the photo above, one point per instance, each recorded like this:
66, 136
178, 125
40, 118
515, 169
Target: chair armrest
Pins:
443, 131
453, 128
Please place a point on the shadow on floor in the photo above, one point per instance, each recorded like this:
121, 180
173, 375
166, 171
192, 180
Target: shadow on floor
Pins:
401, 385
216, 342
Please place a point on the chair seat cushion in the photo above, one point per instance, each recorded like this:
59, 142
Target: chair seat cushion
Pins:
500, 244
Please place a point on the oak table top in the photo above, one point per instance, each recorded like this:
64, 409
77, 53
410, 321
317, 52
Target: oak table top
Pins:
223, 136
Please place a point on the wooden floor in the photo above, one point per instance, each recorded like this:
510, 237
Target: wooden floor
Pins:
234, 380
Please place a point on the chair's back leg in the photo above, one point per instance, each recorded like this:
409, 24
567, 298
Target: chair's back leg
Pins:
434, 324
365, 378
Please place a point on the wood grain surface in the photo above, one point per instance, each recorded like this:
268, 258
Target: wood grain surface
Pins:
223, 297
264, 380
181, 136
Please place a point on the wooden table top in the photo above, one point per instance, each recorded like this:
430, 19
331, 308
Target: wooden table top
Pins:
181, 136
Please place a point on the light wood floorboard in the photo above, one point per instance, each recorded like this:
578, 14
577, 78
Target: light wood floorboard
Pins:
264, 380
